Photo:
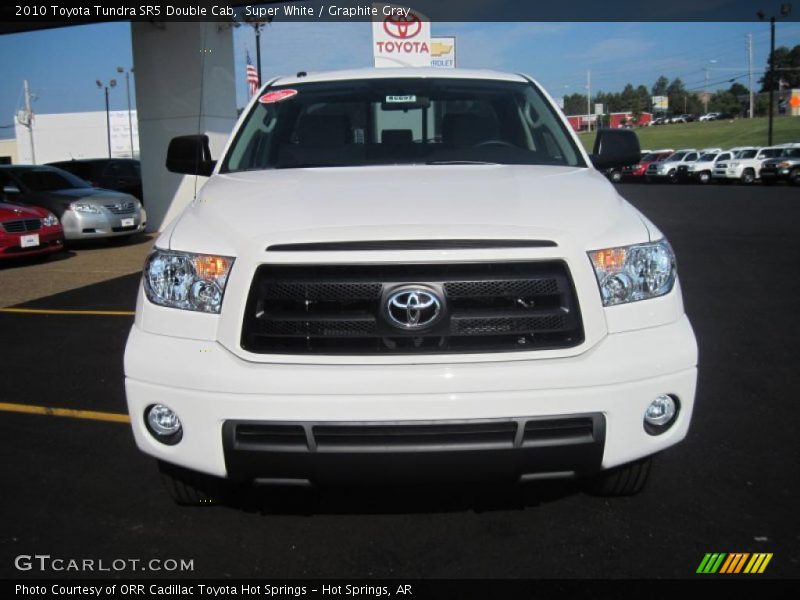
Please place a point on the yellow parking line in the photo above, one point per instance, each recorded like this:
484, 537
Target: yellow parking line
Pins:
46, 311
65, 412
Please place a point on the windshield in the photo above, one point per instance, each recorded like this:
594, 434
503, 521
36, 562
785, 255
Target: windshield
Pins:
746, 153
401, 121
49, 180
791, 153
676, 157
771, 152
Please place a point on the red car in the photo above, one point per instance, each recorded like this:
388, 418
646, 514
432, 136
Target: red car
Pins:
639, 168
28, 230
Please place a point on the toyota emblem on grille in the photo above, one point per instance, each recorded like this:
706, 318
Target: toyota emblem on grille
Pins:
413, 308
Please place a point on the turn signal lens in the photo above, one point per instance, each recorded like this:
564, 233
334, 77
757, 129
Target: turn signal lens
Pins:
212, 267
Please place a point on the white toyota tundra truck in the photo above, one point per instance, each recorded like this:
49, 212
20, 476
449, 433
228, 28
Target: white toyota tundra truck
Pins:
408, 276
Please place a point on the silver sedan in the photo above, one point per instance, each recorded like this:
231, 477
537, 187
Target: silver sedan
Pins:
85, 212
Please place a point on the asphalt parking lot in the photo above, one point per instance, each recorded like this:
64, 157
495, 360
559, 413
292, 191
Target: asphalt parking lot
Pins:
79, 488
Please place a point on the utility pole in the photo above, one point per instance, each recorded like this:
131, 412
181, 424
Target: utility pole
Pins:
29, 118
750, 71
771, 76
786, 10
589, 100
705, 94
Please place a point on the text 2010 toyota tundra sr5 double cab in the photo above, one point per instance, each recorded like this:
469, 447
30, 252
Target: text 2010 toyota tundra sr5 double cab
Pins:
408, 275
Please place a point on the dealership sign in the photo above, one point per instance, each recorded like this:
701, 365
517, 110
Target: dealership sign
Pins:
402, 40
443, 52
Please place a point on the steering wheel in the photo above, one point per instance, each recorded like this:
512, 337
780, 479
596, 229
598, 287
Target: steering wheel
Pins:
494, 143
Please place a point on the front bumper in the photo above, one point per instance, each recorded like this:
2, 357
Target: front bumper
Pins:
774, 174
105, 224
209, 387
51, 239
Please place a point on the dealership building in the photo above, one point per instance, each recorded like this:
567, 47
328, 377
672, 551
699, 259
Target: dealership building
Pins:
77, 135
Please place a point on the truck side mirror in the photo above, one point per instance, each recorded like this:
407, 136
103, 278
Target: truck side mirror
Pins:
190, 155
615, 148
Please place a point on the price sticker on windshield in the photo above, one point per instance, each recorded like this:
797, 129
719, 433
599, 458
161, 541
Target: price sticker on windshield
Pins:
400, 99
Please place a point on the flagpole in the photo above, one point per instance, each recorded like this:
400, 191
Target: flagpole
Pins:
258, 27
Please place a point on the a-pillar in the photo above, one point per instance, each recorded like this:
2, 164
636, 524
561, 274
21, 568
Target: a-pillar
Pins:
184, 85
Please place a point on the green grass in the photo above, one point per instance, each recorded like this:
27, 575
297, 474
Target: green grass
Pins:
722, 134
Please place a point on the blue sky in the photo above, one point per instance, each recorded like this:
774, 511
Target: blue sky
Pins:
63, 64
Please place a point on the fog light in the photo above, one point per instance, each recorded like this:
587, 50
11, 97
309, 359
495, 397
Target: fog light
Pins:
163, 424
660, 414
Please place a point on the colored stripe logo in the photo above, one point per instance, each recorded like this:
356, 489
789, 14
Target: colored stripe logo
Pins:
734, 563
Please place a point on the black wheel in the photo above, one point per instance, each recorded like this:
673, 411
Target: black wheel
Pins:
748, 176
616, 176
189, 488
704, 177
672, 176
794, 177
625, 480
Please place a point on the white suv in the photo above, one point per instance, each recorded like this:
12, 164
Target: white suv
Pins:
408, 275
745, 165
668, 169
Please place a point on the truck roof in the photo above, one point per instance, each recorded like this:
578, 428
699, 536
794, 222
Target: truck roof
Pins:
423, 72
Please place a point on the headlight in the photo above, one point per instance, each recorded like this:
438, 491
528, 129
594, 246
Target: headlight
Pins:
633, 273
84, 207
187, 281
784, 165
50, 220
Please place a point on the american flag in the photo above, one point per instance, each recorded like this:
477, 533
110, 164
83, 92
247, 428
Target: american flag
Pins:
252, 76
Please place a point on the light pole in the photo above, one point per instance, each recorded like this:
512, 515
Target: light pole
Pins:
105, 87
786, 10
128, 91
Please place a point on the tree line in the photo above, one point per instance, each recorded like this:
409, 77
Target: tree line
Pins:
733, 100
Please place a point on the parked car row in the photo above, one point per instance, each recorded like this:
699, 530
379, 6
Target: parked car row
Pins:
43, 207
689, 118
743, 164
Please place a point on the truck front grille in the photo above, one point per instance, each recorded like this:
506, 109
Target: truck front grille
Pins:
413, 435
341, 309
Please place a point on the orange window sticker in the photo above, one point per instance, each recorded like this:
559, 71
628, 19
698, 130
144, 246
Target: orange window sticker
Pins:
277, 96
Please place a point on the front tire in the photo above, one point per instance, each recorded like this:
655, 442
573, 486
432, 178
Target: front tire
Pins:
672, 176
794, 177
189, 488
704, 177
625, 480
748, 176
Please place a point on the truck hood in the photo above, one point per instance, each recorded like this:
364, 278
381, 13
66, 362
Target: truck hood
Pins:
571, 206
